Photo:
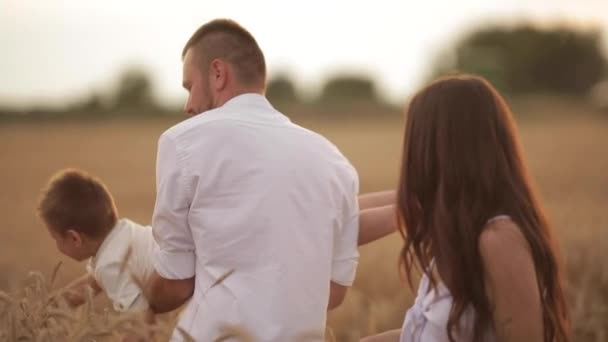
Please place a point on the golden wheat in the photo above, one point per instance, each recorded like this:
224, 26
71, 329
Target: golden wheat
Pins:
565, 145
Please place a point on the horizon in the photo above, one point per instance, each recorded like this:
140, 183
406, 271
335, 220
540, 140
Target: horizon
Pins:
73, 49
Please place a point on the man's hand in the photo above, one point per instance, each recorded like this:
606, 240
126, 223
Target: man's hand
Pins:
337, 293
166, 295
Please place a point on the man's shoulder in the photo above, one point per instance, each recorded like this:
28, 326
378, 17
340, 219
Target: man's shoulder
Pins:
196, 122
329, 146
332, 154
316, 136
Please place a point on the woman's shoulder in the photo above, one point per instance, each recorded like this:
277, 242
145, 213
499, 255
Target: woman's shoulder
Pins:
505, 252
501, 233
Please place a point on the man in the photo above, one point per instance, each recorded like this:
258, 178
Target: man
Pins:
255, 215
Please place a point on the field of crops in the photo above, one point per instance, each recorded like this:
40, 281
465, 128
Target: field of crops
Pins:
566, 147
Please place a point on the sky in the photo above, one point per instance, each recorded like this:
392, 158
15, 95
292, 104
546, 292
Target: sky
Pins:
56, 51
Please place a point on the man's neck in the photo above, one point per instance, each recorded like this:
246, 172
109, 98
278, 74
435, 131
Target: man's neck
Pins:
237, 91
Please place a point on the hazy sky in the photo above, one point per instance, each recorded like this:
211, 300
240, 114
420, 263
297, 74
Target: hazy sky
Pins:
54, 51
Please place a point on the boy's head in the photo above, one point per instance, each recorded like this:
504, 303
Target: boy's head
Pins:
78, 211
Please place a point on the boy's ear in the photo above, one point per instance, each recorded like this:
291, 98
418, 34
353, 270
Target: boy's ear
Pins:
74, 237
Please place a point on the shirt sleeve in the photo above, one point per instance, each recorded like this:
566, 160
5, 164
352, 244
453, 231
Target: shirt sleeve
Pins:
174, 258
120, 288
346, 254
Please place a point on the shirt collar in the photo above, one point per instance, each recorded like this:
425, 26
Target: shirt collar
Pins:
250, 107
112, 235
248, 99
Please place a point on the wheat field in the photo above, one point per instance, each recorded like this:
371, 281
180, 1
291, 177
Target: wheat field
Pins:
566, 146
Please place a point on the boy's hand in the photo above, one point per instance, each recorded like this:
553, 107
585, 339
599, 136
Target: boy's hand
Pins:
75, 294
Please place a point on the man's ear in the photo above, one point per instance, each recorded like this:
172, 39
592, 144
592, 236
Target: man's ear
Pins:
74, 237
219, 74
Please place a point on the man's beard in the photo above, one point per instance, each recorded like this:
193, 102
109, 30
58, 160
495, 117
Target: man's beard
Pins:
209, 105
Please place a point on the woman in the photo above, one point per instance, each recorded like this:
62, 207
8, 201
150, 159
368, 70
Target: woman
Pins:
472, 223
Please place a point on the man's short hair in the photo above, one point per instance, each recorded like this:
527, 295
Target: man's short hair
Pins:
226, 39
76, 200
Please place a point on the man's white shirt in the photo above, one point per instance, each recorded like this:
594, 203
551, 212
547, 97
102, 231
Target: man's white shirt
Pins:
242, 189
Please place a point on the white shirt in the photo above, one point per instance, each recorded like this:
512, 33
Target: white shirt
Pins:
427, 319
242, 188
107, 265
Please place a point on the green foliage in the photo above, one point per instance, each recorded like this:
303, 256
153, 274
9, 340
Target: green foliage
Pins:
526, 59
281, 89
349, 89
134, 89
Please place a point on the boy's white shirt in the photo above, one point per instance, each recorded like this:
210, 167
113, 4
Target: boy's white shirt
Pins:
106, 265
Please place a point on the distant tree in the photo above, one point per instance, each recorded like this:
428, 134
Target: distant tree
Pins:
529, 59
134, 89
282, 90
345, 89
92, 104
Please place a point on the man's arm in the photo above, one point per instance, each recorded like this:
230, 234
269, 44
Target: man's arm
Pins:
337, 293
172, 283
75, 294
345, 252
166, 295
377, 222
377, 199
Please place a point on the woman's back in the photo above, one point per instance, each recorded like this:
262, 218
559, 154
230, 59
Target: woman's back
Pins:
427, 319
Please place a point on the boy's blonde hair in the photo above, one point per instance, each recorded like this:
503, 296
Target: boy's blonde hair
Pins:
75, 200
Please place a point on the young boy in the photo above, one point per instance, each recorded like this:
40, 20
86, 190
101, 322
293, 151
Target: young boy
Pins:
79, 212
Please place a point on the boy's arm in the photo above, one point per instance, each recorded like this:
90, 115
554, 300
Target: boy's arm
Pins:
377, 199
375, 223
75, 294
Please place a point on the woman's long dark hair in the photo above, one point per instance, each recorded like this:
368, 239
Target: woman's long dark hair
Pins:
462, 165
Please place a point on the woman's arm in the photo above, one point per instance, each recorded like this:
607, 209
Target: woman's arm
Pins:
388, 336
377, 199
511, 283
375, 223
